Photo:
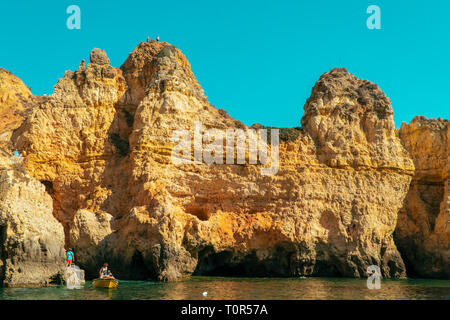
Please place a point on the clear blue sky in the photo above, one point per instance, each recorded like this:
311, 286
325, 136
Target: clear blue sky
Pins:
256, 59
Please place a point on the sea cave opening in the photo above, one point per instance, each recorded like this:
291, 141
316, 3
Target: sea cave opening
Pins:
138, 268
228, 263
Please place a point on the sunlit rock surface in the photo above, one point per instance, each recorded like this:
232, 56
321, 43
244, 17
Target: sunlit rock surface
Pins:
31, 239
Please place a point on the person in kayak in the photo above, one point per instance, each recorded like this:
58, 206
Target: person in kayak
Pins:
70, 257
104, 271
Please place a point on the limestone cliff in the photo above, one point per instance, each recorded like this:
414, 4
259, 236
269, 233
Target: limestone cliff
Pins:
423, 231
102, 145
31, 239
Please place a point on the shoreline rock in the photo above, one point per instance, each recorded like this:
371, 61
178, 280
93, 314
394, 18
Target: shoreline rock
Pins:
31, 239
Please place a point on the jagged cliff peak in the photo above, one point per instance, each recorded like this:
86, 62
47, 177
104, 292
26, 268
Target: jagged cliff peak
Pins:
93, 85
159, 67
347, 89
98, 56
351, 122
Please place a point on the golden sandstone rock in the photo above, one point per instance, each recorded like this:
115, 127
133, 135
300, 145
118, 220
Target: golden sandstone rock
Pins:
32, 240
15, 101
102, 145
423, 230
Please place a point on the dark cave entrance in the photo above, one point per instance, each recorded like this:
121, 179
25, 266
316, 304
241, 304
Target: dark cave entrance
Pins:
211, 263
48, 187
326, 268
232, 264
200, 209
138, 268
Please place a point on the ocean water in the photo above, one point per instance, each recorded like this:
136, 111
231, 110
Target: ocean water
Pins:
243, 289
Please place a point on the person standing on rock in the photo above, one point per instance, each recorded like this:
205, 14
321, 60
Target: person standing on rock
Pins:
157, 38
70, 257
17, 153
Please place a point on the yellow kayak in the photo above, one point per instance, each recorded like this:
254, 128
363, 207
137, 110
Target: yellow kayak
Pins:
105, 283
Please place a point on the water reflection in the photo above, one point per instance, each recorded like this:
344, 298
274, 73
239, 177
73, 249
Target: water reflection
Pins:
243, 289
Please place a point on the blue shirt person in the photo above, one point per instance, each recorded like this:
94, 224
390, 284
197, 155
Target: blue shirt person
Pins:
70, 257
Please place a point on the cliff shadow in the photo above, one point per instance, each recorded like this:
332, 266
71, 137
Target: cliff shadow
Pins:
118, 169
416, 224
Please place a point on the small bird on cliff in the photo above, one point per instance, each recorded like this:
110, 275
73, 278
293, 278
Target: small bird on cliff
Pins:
157, 38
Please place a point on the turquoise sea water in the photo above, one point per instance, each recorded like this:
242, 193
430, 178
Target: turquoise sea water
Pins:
242, 289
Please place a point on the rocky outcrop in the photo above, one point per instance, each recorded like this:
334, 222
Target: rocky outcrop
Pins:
90, 232
68, 140
31, 239
103, 146
351, 123
16, 101
423, 230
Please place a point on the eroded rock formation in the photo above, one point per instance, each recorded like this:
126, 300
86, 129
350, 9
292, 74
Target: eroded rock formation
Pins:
102, 146
31, 239
423, 231
16, 101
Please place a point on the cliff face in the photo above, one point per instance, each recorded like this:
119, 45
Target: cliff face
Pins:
423, 231
16, 101
103, 145
31, 240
